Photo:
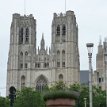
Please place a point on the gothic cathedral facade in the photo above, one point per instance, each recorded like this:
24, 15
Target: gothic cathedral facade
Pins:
31, 67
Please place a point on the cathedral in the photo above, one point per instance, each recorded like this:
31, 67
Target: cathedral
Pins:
36, 67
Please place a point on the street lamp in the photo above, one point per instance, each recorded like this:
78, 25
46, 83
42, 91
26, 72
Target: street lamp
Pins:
105, 60
12, 95
85, 102
90, 49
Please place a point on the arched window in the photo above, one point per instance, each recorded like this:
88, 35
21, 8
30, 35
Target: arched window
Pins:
63, 58
58, 64
21, 32
21, 54
27, 32
63, 64
58, 30
41, 83
27, 36
26, 65
58, 55
60, 77
45, 65
63, 30
21, 65
22, 81
21, 36
58, 52
63, 54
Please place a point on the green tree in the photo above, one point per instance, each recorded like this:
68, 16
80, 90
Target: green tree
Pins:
99, 98
27, 97
58, 86
4, 102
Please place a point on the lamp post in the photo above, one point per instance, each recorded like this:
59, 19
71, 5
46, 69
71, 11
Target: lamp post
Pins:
12, 95
105, 60
85, 102
90, 48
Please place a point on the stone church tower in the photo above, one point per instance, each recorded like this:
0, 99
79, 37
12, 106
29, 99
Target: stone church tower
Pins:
31, 67
99, 74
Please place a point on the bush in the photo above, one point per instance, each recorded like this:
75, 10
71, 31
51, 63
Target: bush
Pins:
60, 94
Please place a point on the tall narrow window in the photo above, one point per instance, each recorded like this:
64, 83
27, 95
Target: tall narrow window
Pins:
58, 30
60, 77
22, 82
26, 65
63, 54
58, 52
63, 64
58, 55
27, 32
45, 65
63, 58
21, 66
63, 30
58, 64
36, 65
21, 54
21, 36
27, 36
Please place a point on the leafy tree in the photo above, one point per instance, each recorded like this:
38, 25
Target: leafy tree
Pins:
27, 97
58, 86
99, 98
4, 102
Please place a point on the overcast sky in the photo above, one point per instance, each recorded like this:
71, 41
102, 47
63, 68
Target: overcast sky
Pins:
91, 17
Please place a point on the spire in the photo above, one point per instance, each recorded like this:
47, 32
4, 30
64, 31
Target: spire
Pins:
100, 41
42, 42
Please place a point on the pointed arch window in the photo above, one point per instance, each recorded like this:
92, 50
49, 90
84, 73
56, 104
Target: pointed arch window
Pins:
63, 58
41, 83
58, 52
21, 54
58, 55
26, 65
58, 30
60, 77
22, 81
45, 65
27, 36
27, 32
21, 65
63, 64
58, 64
63, 54
63, 30
21, 36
